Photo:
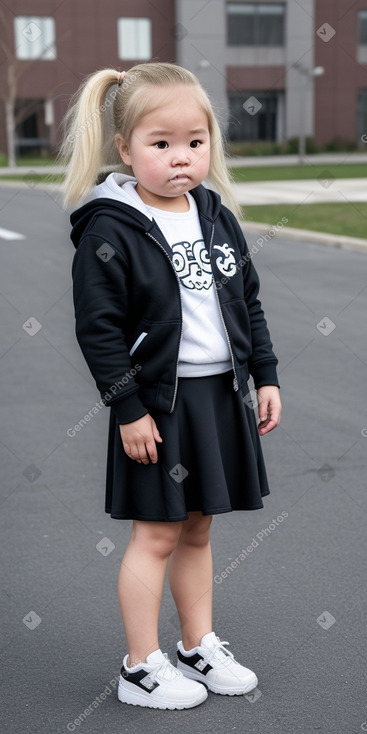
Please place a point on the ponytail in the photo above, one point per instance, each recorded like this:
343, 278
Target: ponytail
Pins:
85, 146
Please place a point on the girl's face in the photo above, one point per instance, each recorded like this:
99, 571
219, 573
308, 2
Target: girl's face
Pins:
169, 149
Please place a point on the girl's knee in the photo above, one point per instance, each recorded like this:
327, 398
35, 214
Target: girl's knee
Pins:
196, 530
158, 538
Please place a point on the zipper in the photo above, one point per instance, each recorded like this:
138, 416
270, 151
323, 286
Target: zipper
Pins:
179, 291
235, 380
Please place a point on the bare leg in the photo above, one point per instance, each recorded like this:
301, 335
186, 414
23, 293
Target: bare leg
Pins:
190, 572
141, 581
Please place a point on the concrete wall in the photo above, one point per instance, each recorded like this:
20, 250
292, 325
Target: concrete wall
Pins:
200, 47
299, 62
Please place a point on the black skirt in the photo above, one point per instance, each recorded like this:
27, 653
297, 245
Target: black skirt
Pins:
210, 459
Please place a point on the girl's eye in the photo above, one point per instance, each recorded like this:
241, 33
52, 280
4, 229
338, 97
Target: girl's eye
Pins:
195, 143
162, 144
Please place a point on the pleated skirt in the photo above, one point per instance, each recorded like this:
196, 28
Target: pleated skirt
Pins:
210, 460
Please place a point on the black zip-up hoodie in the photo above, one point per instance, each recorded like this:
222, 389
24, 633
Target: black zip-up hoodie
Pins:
125, 286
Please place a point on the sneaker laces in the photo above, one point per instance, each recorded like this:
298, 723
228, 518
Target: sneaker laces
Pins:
219, 652
165, 670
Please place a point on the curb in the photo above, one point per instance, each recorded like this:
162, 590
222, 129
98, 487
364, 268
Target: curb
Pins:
307, 235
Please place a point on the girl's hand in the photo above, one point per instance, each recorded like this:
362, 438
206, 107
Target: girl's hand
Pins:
270, 408
138, 439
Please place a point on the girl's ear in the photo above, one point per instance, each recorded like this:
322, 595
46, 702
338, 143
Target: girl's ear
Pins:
123, 149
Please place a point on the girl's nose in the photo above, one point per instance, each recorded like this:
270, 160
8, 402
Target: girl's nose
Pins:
180, 158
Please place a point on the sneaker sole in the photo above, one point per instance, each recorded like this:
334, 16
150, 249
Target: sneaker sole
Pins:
215, 687
136, 698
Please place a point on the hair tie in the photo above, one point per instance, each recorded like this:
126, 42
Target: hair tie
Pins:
120, 77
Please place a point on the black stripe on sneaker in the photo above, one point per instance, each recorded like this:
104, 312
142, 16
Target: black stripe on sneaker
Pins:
195, 661
140, 679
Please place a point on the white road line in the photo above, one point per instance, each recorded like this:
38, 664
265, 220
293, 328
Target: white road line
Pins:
7, 234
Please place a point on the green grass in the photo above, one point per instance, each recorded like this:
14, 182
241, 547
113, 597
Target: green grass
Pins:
29, 177
28, 161
349, 219
292, 173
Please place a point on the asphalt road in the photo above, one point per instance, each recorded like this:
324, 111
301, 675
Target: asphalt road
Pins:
294, 609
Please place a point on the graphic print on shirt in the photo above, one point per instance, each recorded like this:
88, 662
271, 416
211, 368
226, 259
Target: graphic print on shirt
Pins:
226, 263
192, 263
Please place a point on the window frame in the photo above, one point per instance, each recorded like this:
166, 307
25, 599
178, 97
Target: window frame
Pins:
25, 49
255, 12
137, 42
362, 26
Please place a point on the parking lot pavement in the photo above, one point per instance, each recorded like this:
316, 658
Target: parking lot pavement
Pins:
289, 580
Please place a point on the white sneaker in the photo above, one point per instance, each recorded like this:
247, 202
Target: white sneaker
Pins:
211, 664
157, 684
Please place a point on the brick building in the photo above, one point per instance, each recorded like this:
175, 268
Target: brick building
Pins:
303, 63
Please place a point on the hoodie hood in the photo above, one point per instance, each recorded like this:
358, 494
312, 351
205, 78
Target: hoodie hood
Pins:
118, 187
116, 197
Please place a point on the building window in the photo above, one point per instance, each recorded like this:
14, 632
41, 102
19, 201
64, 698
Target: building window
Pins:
134, 38
255, 24
35, 38
262, 120
362, 27
32, 131
362, 117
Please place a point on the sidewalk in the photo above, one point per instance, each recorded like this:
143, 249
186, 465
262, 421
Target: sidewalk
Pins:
307, 191
293, 160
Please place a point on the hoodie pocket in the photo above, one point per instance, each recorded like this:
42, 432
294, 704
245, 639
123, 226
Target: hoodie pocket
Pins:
138, 342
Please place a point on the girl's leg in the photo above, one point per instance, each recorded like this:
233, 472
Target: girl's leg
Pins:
140, 584
190, 572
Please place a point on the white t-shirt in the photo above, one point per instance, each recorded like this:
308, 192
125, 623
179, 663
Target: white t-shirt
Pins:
204, 346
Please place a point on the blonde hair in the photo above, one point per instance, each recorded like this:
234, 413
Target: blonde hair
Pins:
102, 107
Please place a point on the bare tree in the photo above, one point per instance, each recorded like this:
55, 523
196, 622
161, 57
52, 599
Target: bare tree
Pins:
9, 92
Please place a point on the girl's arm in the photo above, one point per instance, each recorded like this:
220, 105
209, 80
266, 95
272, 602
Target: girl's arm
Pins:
100, 300
263, 362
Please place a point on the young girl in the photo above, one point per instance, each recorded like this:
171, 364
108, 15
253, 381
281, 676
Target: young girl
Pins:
169, 322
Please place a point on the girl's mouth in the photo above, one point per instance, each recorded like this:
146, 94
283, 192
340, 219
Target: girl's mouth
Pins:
180, 178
